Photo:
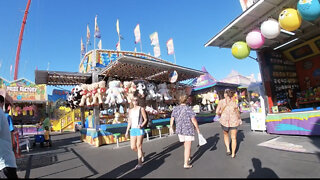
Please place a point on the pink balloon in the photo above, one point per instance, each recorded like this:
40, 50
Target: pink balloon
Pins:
255, 39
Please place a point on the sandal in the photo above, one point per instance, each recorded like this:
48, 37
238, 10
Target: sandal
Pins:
228, 153
138, 166
234, 156
187, 166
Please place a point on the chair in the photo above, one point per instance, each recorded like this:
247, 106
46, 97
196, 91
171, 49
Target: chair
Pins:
117, 135
24, 141
159, 127
168, 126
147, 133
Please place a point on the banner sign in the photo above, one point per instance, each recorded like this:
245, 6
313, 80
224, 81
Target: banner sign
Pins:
24, 90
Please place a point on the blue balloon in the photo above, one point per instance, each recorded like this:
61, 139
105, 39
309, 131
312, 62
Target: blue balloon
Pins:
309, 10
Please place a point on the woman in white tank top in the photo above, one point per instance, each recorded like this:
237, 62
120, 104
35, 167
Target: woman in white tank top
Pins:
137, 119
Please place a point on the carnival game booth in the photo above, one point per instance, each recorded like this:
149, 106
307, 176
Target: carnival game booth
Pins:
113, 78
206, 93
29, 104
285, 35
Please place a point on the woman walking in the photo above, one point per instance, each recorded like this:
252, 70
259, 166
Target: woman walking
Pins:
229, 120
186, 122
136, 121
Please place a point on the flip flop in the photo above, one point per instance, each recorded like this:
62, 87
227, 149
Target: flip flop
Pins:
187, 167
228, 153
234, 156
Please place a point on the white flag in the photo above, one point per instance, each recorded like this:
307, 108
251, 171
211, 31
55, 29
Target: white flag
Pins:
154, 39
96, 28
118, 46
170, 47
156, 51
137, 34
117, 26
100, 44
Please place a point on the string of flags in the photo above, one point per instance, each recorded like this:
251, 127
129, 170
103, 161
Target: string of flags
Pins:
154, 38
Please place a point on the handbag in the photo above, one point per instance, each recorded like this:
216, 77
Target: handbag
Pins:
141, 119
218, 115
202, 140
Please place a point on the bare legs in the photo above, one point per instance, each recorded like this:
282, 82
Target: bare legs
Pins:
233, 134
187, 152
136, 146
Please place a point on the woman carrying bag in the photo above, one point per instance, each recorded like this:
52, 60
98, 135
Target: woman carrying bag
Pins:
229, 120
186, 124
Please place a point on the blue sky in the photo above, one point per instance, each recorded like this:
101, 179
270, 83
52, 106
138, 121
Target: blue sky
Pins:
54, 28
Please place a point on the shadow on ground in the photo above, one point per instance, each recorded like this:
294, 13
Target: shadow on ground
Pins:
259, 171
152, 162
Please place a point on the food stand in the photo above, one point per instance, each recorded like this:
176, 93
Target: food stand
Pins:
288, 61
106, 121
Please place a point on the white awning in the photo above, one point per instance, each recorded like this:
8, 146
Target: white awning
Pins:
253, 17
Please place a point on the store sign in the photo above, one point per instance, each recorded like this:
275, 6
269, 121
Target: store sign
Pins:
245, 4
24, 90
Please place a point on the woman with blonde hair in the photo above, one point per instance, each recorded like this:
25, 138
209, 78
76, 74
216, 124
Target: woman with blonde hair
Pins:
229, 120
137, 119
186, 123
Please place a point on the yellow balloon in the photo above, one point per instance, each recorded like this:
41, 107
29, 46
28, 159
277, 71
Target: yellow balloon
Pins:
290, 19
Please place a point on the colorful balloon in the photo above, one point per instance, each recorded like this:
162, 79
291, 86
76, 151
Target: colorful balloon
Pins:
240, 50
309, 9
255, 39
270, 28
290, 19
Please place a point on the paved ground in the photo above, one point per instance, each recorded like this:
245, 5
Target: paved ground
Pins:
70, 158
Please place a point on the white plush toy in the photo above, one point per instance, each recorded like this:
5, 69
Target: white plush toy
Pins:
89, 95
141, 87
114, 93
131, 91
95, 95
164, 92
151, 89
84, 93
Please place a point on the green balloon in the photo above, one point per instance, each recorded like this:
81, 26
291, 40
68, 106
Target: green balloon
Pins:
240, 50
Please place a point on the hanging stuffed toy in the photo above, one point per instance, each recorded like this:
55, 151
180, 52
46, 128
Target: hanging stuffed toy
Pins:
114, 94
164, 92
151, 91
84, 94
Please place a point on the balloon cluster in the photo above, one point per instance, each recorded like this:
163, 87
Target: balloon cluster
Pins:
289, 19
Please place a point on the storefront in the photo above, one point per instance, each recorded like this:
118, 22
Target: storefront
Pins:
29, 104
288, 61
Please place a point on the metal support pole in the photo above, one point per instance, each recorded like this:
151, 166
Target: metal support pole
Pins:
96, 111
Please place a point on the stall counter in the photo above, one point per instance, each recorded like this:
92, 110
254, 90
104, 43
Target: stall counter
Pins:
294, 123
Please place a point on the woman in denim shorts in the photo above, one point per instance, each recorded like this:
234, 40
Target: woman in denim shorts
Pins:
136, 121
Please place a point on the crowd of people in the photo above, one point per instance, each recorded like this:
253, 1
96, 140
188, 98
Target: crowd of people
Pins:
182, 122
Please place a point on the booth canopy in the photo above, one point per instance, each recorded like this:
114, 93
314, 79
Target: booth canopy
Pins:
206, 81
253, 17
130, 67
61, 78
